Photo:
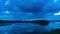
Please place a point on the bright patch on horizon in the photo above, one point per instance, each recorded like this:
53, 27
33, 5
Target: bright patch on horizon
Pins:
58, 22
57, 13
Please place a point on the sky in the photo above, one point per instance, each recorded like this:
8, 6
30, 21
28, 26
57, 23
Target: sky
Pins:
29, 10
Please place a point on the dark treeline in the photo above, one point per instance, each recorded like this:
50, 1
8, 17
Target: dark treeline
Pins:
17, 21
41, 22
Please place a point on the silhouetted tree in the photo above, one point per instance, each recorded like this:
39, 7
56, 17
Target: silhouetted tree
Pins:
41, 22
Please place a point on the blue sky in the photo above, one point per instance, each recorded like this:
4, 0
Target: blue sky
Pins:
22, 10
